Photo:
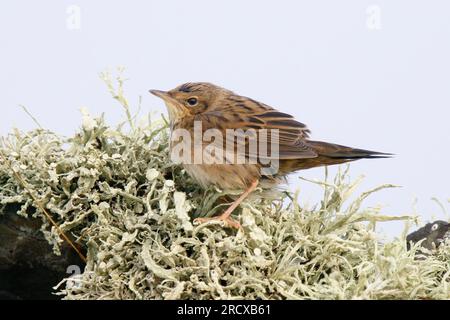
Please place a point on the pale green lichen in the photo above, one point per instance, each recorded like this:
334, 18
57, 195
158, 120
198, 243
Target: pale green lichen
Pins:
118, 194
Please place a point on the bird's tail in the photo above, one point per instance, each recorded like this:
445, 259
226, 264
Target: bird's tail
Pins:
330, 154
336, 151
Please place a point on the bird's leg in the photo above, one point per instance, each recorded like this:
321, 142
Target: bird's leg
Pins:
226, 216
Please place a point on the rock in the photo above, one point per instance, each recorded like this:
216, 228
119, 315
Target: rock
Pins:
434, 234
28, 267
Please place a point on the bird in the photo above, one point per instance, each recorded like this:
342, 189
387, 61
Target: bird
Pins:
208, 108
433, 235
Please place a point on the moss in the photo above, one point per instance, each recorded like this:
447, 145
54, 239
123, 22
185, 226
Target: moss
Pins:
115, 191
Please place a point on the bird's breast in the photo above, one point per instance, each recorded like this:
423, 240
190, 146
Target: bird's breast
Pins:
209, 161
224, 176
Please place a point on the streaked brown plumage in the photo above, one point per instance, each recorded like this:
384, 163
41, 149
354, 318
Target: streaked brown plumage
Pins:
219, 108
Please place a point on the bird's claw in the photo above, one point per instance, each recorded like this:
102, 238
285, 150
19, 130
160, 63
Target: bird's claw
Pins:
228, 221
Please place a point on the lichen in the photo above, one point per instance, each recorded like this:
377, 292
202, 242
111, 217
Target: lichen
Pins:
115, 191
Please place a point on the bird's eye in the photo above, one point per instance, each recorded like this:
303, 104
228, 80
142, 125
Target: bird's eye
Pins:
192, 101
434, 227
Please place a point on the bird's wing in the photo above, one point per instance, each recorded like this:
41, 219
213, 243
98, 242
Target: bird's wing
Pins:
291, 133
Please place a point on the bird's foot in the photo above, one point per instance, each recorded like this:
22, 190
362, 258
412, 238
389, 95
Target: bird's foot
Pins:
227, 220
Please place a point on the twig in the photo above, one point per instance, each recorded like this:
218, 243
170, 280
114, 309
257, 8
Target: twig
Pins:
31, 116
40, 206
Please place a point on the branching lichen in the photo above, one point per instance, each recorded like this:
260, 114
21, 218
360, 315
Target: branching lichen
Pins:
118, 195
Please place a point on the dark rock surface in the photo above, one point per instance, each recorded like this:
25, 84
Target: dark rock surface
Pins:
432, 235
28, 267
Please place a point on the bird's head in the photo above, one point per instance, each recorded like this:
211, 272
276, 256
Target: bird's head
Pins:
190, 98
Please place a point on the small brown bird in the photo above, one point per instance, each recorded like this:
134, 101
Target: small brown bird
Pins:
215, 111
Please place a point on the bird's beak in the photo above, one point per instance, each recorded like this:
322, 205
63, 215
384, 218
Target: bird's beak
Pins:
168, 99
160, 94
173, 106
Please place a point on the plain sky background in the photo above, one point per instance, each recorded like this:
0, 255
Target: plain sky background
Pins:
369, 74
